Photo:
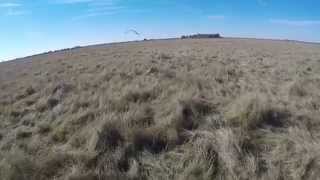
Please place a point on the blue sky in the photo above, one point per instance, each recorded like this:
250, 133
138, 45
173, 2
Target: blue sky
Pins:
34, 26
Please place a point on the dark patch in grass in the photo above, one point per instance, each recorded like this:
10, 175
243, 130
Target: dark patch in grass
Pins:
312, 169
248, 146
86, 176
61, 90
271, 117
84, 118
52, 102
30, 90
27, 92
19, 167
16, 114
52, 164
123, 164
274, 118
190, 112
151, 140
80, 105
29, 102
119, 105
23, 134
109, 138
262, 167
44, 128
145, 118
163, 56
140, 96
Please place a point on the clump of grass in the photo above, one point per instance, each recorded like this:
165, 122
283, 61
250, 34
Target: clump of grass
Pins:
61, 89
305, 87
18, 166
46, 104
196, 170
110, 137
298, 150
53, 163
23, 133
52, 102
27, 92
312, 168
190, 112
140, 96
30, 90
29, 102
80, 105
202, 161
84, 176
154, 139
154, 143
164, 56
84, 117
60, 134
44, 128
123, 163
119, 105
144, 118
256, 111
78, 140
298, 90
168, 74
152, 70
41, 106
16, 114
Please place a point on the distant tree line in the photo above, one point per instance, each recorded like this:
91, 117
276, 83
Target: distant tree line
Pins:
199, 36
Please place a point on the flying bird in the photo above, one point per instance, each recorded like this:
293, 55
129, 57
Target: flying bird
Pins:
133, 31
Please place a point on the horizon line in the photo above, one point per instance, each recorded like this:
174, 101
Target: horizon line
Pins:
143, 40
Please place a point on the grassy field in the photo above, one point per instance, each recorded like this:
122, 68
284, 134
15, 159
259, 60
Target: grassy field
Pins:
189, 109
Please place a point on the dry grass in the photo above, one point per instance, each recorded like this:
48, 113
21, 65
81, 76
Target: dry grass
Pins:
110, 137
175, 109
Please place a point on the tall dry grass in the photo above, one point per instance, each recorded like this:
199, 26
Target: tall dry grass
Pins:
178, 109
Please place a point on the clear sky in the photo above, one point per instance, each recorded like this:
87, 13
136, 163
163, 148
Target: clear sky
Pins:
34, 26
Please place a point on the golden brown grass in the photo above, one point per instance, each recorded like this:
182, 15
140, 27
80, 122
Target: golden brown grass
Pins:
166, 109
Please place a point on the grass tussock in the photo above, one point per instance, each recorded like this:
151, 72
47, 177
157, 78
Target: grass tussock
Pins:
143, 118
27, 92
140, 96
60, 134
110, 137
190, 112
17, 166
84, 117
46, 104
52, 102
119, 105
23, 133
305, 87
254, 111
53, 163
84, 176
153, 140
20, 166
61, 89
164, 56
44, 128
